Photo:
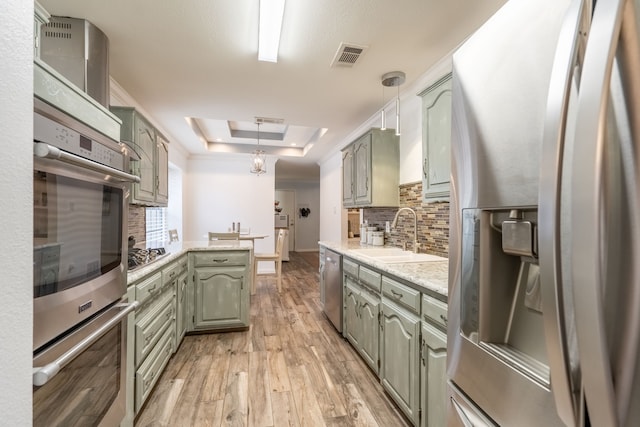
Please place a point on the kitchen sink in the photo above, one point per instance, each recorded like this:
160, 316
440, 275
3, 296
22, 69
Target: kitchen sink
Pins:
396, 255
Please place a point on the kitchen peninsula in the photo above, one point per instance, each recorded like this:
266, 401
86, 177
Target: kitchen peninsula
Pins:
197, 286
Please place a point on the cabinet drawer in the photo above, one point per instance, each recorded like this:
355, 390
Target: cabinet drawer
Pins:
148, 288
169, 274
183, 264
350, 268
151, 369
434, 310
218, 258
150, 328
401, 294
370, 278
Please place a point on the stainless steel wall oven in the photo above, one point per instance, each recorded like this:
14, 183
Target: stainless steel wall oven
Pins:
79, 272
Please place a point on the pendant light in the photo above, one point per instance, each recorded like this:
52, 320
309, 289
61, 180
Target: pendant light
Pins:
383, 115
391, 79
258, 158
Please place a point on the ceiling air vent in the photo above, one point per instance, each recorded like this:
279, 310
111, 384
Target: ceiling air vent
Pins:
270, 120
347, 55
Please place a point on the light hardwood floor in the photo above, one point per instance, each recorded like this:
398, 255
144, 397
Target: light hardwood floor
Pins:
291, 368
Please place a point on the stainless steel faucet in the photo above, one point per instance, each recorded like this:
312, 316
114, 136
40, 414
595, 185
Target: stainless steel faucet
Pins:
415, 226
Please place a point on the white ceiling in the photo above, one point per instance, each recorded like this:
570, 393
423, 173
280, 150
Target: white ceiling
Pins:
193, 64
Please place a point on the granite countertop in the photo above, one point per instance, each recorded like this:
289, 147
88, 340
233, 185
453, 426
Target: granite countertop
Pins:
177, 249
432, 275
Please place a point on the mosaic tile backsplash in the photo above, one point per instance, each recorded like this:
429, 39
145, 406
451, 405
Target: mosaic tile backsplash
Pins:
433, 222
137, 223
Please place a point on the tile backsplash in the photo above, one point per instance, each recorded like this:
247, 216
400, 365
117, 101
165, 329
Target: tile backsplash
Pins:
433, 221
137, 226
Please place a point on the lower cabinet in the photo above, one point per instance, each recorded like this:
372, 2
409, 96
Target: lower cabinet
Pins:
433, 371
362, 321
400, 332
182, 301
152, 337
399, 359
172, 301
222, 282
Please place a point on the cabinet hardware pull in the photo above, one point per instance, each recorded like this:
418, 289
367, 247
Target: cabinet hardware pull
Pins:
396, 294
444, 319
220, 260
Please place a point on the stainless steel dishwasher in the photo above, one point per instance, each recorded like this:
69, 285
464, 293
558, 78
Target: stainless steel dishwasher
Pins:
331, 281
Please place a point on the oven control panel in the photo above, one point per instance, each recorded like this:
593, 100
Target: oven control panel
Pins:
56, 134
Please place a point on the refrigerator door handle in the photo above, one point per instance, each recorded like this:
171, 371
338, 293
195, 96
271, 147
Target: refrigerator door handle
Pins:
568, 52
607, 400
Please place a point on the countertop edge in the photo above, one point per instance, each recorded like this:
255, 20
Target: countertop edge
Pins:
432, 275
178, 249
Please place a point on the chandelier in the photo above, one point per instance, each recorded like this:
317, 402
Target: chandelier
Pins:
258, 158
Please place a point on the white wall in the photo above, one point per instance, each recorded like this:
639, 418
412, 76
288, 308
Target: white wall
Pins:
333, 225
16, 189
333, 219
221, 190
307, 229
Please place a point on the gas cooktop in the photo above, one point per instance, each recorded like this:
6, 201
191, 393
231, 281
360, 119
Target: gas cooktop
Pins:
140, 257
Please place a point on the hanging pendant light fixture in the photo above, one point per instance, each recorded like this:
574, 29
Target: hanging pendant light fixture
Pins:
258, 158
391, 79
383, 115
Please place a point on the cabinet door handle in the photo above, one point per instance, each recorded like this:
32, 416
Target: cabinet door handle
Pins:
444, 319
173, 273
220, 260
396, 294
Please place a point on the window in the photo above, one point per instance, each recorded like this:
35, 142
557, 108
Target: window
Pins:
156, 220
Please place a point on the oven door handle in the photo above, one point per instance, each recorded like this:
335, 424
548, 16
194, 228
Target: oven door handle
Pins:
41, 375
47, 151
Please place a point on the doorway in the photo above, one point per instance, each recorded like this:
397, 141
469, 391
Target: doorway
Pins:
287, 200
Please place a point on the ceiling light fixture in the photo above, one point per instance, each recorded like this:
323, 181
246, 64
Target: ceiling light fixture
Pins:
258, 158
394, 78
383, 118
270, 26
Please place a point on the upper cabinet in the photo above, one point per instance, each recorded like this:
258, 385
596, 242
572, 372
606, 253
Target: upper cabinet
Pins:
153, 163
370, 170
436, 140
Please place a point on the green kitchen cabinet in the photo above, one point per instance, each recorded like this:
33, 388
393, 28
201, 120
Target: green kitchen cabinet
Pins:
162, 170
399, 358
152, 149
347, 178
433, 366
222, 282
151, 336
370, 320
436, 140
433, 384
361, 325
182, 305
352, 323
370, 170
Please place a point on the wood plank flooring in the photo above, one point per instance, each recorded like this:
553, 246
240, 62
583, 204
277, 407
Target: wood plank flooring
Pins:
291, 368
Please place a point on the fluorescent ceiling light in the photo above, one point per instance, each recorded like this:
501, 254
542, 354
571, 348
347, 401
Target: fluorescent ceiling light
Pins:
271, 13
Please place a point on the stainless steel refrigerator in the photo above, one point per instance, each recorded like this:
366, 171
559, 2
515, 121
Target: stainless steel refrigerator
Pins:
544, 279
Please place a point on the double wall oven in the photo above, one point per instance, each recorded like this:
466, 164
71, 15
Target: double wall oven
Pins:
80, 197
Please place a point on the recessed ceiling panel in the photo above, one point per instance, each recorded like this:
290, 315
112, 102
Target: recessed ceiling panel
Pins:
242, 136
